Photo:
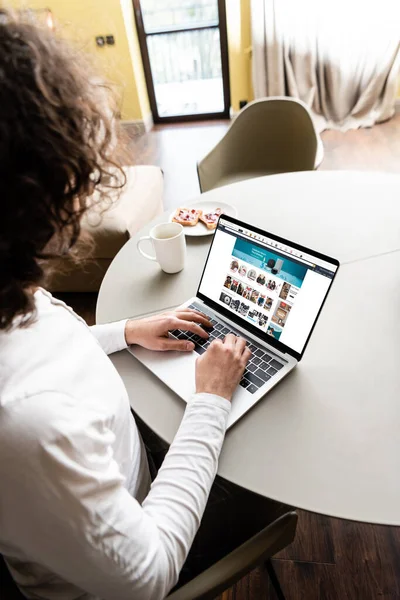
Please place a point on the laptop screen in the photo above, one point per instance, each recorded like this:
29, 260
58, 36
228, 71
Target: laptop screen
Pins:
266, 283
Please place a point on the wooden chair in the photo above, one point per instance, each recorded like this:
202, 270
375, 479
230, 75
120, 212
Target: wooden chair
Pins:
255, 552
220, 576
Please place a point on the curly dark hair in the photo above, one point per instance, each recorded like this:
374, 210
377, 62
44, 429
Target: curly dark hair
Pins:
57, 134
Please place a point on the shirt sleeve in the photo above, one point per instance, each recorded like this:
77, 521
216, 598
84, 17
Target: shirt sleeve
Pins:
68, 507
111, 336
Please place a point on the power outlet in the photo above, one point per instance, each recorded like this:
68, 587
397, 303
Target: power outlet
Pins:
103, 40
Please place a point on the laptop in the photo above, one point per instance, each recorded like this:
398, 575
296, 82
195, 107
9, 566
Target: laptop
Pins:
264, 288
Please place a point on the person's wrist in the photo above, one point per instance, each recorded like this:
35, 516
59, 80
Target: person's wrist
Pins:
215, 391
130, 332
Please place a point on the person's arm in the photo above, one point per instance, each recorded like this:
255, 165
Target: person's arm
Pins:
151, 332
68, 509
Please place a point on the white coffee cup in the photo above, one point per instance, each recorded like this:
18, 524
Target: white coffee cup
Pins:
169, 245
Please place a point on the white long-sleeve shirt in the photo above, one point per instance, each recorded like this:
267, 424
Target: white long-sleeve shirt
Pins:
78, 519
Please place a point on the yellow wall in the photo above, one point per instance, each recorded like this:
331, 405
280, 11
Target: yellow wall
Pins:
136, 59
81, 21
239, 43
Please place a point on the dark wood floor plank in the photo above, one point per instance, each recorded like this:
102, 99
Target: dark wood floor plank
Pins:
310, 581
314, 542
367, 560
255, 586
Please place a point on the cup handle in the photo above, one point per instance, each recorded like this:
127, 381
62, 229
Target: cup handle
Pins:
142, 239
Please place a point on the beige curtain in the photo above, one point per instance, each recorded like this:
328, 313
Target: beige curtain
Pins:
341, 57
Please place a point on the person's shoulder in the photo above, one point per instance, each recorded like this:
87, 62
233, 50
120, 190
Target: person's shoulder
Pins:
30, 425
30, 415
28, 421
43, 354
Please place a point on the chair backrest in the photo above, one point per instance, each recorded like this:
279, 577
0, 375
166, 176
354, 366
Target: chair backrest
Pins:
223, 574
231, 568
272, 135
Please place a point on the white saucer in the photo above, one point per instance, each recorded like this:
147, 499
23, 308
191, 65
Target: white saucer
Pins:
206, 206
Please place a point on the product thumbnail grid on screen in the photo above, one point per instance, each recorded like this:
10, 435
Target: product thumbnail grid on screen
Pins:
261, 286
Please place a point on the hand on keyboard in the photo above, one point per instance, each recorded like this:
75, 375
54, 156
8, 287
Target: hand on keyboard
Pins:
219, 370
152, 333
262, 366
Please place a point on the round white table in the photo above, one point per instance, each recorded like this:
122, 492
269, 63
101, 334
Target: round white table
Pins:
327, 438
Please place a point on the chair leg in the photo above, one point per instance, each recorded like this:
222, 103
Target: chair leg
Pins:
274, 580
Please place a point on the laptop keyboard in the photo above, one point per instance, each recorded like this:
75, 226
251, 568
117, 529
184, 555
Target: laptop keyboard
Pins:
260, 368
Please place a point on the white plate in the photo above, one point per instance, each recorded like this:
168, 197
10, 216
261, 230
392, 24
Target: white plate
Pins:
206, 206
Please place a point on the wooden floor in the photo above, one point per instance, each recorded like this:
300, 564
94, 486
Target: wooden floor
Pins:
177, 148
330, 559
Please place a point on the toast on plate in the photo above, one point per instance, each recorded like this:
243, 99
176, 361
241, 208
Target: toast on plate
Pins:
187, 216
210, 219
